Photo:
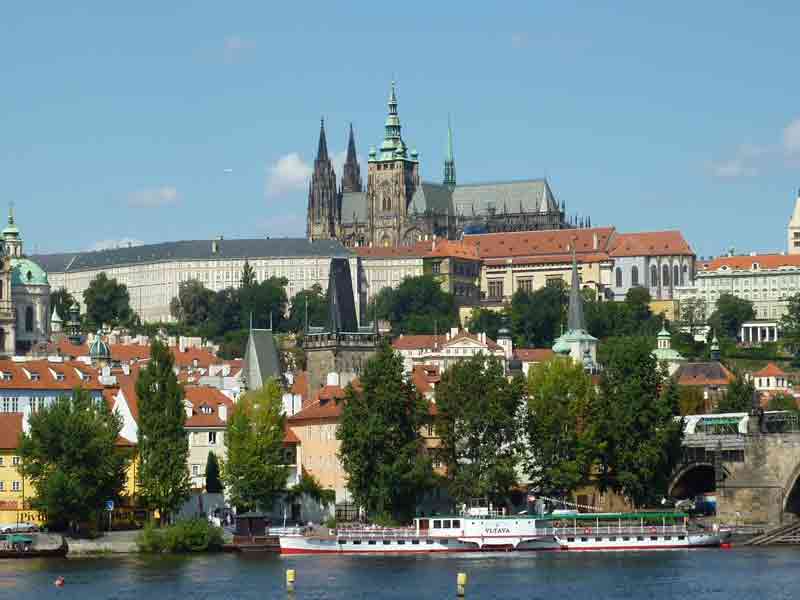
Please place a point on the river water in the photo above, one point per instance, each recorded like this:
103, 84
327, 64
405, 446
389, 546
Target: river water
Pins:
763, 574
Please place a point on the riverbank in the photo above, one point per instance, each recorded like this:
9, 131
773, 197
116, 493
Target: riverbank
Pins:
113, 542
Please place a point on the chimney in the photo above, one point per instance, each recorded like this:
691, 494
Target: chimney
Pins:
223, 413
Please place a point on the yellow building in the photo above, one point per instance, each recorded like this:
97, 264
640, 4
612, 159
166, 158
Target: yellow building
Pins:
530, 260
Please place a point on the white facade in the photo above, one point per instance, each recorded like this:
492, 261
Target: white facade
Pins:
380, 272
450, 348
153, 284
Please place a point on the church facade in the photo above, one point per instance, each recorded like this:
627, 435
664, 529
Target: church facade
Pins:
398, 209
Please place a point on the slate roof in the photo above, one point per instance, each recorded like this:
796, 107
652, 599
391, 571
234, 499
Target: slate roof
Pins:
191, 250
433, 197
533, 195
354, 203
263, 344
703, 373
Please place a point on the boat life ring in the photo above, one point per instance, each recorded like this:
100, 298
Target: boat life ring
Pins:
587, 530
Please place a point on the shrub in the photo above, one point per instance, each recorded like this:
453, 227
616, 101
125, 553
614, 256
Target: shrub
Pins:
330, 522
192, 535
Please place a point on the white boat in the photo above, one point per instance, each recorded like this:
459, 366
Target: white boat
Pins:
484, 533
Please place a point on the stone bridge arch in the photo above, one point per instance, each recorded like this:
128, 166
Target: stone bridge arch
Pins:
692, 478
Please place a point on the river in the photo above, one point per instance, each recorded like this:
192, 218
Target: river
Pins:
737, 574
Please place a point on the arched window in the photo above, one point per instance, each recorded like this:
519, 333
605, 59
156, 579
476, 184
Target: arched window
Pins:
676, 276
29, 319
619, 277
684, 277
1, 289
653, 276
665, 276
634, 275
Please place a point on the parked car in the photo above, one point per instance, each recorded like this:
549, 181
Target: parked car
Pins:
19, 528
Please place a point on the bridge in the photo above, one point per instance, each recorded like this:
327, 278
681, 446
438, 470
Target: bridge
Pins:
751, 462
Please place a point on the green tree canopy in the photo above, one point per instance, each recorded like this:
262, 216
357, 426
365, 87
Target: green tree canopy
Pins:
382, 451
483, 320
477, 424
729, 314
536, 317
70, 456
61, 300
265, 301
630, 317
163, 474
560, 448
738, 397
213, 482
633, 421
248, 277
255, 470
107, 302
192, 305
317, 302
782, 402
790, 324
417, 305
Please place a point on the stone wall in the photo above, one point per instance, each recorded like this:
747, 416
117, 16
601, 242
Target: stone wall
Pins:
347, 362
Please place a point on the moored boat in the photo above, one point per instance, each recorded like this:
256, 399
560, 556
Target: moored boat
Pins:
31, 545
485, 533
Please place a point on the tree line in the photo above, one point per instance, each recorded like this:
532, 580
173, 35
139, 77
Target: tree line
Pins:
556, 430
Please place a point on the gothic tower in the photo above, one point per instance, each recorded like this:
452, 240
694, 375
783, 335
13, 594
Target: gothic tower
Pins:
392, 178
351, 172
323, 204
449, 160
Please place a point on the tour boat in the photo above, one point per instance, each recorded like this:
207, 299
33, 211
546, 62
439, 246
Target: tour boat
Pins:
484, 533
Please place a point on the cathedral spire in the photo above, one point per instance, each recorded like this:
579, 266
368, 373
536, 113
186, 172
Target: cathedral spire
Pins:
322, 151
392, 146
449, 160
575, 321
351, 172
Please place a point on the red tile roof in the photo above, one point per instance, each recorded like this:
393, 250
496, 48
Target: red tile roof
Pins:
541, 243
211, 397
22, 375
650, 243
431, 248
319, 409
127, 384
534, 355
289, 437
771, 370
426, 342
10, 430
300, 386
425, 377
128, 353
745, 263
704, 373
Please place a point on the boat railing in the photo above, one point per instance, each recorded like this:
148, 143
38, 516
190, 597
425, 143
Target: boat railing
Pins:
378, 533
279, 531
621, 530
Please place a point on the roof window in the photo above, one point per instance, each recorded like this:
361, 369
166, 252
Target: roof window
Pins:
5, 376
206, 409
755, 266
35, 376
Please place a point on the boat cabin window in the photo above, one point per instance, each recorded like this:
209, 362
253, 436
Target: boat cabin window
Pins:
681, 537
569, 539
372, 542
386, 542
341, 541
668, 537
584, 539
626, 539
356, 541
597, 539
653, 538
428, 541
437, 524
401, 542
612, 539
446, 524
639, 538
444, 542
415, 542
456, 524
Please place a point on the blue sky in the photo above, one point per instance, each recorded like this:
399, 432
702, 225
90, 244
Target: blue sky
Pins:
153, 121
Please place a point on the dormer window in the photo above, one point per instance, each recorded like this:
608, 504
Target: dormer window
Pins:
29, 275
206, 409
755, 266
5, 376
59, 376
35, 376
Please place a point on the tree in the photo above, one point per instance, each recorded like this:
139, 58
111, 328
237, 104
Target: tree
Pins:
536, 317
477, 425
107, 302
691, 400
164, 481
265, 302
61, 300
692, 315
418, 305
382, 451
782, 402
70, 456
638, 299
248, 275
560, 448
255, 470
213, 483
731, 311
316, 301
487, 321
738, 397
639, 440
192, 305
790, 324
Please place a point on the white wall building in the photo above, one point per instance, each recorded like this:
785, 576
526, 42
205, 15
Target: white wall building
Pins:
153, 272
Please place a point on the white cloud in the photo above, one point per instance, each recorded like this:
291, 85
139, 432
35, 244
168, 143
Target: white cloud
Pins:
791, 139
235, 46
744, 163
288, 174
519, 40
154, 197
120, 243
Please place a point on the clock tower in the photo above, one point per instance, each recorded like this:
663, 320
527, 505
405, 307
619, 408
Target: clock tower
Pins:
392, 179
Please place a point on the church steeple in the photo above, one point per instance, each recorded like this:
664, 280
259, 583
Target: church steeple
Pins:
323, 213
575, 320
393, 145
351, 172
449, 160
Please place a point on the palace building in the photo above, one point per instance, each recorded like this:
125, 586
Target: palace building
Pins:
397, 208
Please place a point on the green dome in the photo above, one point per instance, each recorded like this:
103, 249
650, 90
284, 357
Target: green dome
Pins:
99, 350
27, 272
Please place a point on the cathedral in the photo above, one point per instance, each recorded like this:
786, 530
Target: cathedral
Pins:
398, 209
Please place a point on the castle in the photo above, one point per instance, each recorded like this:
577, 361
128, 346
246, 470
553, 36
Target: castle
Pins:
398, 209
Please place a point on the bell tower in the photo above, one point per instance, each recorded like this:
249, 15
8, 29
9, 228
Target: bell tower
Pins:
793, 230
392, 179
